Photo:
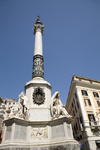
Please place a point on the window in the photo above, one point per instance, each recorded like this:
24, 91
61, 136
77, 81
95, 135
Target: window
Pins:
91, 117
79, 124
84, 93
95, 94
74, 100
87, 102
5, 102
77, 104
75, 95
81, 119
76, 127
98, 102
73, 113
80, 136
75, 109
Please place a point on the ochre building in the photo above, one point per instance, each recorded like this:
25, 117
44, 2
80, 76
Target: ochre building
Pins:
83, 104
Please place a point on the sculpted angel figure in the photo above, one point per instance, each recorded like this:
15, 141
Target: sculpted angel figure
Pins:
13, 111
23, 106
57, 108
21, 110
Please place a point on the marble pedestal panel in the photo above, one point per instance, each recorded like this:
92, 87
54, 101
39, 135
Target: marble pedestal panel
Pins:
38, 112
48, 135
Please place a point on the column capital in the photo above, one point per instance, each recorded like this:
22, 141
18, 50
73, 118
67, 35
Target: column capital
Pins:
38, 28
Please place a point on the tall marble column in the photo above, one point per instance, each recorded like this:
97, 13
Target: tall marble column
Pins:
38, 67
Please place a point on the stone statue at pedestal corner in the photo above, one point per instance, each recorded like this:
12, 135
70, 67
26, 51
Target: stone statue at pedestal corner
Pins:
57, 108
23, 106
22, 109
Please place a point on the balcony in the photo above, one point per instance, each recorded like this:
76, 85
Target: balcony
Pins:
94, 124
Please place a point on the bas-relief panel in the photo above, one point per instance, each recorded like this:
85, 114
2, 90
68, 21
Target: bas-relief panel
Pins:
39, 133
58, 131
8, 132
20, 132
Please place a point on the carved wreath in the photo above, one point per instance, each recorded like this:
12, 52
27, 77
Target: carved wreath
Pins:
38, 96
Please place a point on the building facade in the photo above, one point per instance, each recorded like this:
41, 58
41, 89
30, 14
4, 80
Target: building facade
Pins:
83, 104
9, 103
5, 109
1, 117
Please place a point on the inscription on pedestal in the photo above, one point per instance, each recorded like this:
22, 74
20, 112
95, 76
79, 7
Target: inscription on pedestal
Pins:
20, 132
8, 132
58, 131
39, 115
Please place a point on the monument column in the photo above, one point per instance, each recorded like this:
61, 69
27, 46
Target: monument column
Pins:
38, 91
38, 67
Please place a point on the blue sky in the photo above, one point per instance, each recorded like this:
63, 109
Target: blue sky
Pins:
71, 43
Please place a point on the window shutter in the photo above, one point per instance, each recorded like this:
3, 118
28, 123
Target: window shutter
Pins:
89, 117
77, 104
89, 102
98, 103
85, 102
81, 119
93, 117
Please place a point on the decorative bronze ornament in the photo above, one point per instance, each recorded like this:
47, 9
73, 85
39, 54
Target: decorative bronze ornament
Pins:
38, 96
38, 67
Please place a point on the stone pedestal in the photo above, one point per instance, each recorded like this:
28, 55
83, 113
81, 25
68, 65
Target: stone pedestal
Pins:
38, 112
48, 135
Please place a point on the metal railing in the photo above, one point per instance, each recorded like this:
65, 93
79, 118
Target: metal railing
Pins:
95, 123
